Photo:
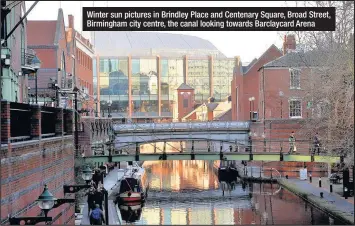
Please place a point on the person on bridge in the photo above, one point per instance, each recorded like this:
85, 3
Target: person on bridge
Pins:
316, 143
292, 141
97, 216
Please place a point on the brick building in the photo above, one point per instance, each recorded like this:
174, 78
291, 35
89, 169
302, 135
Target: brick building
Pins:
210, 111
50, 41
83, 65
36, 149
94, 134
14, 77
246, 84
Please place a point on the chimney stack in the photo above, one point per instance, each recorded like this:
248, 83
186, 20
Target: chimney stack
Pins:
289, 43
71, 21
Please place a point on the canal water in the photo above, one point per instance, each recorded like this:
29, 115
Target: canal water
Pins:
189, 193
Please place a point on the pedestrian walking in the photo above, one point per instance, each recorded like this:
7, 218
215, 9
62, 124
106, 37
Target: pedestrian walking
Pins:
97, 216
91, 200
316, 144
99, 197
292, 141
97, 177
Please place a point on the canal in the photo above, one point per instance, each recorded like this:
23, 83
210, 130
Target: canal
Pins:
189, 192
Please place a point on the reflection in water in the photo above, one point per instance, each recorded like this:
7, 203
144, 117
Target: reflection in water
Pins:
188, 192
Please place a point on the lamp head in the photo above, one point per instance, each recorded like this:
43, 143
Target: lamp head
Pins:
46, 199
87, 173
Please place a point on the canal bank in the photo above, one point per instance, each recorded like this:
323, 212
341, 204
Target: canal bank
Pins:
331, 203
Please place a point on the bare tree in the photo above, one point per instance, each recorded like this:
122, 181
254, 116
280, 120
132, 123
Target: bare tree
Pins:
329, 86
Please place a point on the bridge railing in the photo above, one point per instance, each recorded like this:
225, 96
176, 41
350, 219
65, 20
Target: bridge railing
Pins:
181, 126
284, 146
256, 146
262, 173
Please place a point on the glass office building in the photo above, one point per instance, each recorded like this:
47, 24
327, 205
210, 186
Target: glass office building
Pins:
140, 78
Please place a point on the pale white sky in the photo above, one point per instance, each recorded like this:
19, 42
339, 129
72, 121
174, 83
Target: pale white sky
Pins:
246, 44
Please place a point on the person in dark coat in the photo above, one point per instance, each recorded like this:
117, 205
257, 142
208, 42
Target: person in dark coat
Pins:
91, 200
97, 177
316, 144
99, 197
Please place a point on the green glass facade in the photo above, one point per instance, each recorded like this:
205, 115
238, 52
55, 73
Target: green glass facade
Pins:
222, 78
134, 92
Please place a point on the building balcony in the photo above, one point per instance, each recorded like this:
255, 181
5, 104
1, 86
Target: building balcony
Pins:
27, 65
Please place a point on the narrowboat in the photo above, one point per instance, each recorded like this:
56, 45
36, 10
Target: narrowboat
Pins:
133, 185
131, 212
226, 169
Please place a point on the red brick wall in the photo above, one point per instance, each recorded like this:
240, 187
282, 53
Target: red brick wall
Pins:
89, 135
47, 57
26, 167
181, 110
84, 74
237, 91
248, 86
276, 80
277, 133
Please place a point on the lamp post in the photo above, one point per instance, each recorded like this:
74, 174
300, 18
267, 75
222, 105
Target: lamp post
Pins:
251, 101
36, 63
109, 108
86, 175
96, 113
281, 94
46, 201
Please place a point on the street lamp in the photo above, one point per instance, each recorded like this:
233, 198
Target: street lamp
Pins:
36, 64
87, 174
281, 94
46, 201
96, 103
109, 108
251, 101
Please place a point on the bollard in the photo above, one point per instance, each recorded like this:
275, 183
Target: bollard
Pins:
310, 178
320, 182
331, 188
286, 176
321, 194
346, 193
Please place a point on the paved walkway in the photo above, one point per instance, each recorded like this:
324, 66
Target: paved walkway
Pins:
341, 204
337, 188
109, 182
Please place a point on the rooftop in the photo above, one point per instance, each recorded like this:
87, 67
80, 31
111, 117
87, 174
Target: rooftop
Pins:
298, 59
113, 43
184, 86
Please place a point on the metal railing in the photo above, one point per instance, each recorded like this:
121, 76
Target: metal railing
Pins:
27, 56
259, 172
181, 126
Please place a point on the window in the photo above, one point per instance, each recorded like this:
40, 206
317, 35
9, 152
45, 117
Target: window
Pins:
186, 103
295, 79
295, 109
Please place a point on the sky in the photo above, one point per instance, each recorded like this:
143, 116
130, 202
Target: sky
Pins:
246, 44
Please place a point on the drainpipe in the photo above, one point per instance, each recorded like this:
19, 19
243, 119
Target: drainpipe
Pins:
264, 108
